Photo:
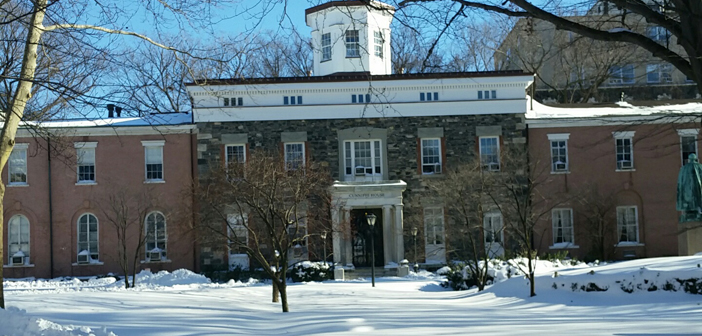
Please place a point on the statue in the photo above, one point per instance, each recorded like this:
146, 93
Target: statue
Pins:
689, 200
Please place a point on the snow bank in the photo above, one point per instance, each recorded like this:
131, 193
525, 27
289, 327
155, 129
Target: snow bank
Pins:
15, 322
540, 111
181, 277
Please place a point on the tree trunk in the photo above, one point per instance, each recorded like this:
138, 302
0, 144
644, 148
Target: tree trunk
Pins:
284, 296
275, 291
532, 288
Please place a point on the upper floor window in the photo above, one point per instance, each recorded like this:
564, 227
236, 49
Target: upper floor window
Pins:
294, 155
361, 99
292, 100
657, 73
431, 156
428, 96
378, 42
153, 154
85, 152
233, 101
18, 240
87, 239
490, 153
487, 94
235, 154
562, 220
362, 158
326, 47
627, 224
17, 164
155, 243
621, 74
559, 152
352, 44
657, 33
688, 143
624, 150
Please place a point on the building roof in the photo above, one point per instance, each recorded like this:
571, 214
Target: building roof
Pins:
350, 3
356, 77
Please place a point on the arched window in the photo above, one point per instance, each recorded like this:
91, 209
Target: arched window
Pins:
88, 239
155, 237
18, 240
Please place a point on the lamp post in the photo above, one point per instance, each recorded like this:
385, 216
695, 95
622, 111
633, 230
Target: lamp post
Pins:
324, 240
371, 222
414, 237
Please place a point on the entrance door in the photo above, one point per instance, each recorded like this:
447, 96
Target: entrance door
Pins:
362, 233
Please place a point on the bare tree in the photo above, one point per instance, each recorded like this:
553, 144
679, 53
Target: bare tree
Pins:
598, 210
263, 208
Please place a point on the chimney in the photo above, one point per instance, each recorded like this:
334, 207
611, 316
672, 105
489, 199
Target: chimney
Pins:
110, 110
118, 111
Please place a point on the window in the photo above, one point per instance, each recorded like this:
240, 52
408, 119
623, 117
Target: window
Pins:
326, 47
627, 224
238, 233
559, 152
17, 164
490, 153
624, 150
87, 239
688, 143
360, 98
657, 33
352, 47
487, 94
657, 73
18, 240
562, 220
362, 157
85, 152
153, 152
378, 42
155, 237
621, 74
434, 225
428, 96
235, 154
297, 232
292, 100
294, 155
492, 226
431, 156
233, 101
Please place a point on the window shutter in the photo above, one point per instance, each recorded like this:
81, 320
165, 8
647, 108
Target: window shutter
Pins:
222, 154
246, 148
282, 155
443, 155
308, 156
419, 156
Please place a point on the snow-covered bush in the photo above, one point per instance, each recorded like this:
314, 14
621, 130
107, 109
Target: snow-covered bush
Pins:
459, 277
307, 271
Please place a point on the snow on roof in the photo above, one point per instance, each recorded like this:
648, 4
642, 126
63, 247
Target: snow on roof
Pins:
165, 119
541, 111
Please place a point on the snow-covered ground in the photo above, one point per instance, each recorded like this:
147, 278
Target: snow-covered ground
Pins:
183, 303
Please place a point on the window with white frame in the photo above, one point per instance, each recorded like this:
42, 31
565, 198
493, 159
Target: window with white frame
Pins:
297, 233
362, 158
492, 228
562, 220
428, 96
238, 233
352, 43
434, 225
688, 143
624, 142
156, 238
294, 155
326, 47
85, 154
657, 33
559, 152
627, 224
153, 153
292, 100
87, 239
17, 164
621, 74
490, 153
235, 154
360, 98
18, 240
378, 42
487, 94
431, 156
659, 73
233, 101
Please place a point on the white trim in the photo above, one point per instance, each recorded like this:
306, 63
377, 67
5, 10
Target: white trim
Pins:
21, 145
285, 153
226, 155
421, 156
631, 151
553, 231
153, 143
638, 226
480, 151
558, 136
78, 250
353, 175
155, 240
689, 132
84, 145
623, 134
113, 130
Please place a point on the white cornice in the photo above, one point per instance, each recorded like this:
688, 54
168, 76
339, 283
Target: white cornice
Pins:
110, 131
611, 121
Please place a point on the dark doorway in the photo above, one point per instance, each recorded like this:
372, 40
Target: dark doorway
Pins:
362, 252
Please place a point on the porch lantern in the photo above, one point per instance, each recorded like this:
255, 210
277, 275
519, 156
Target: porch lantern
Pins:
415, 230
323, 235
371, 222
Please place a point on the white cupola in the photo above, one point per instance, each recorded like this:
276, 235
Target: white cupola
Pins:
351, 36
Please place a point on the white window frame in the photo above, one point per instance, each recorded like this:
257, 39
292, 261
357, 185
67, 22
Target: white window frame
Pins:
290, 162
94, 255
687, 133
326, 47
621, 214
489, 166
617, 74
152, 238
378, 43
15, 242
490, 232
662, 71
376, 158
557, 138
19, 165
432, 167
560, 216
227, 159
353, 43
299, 251
151, 144
620, 143
434, 226
234, 223
83, 147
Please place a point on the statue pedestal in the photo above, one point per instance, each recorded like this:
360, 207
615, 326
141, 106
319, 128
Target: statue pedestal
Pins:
689, 238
